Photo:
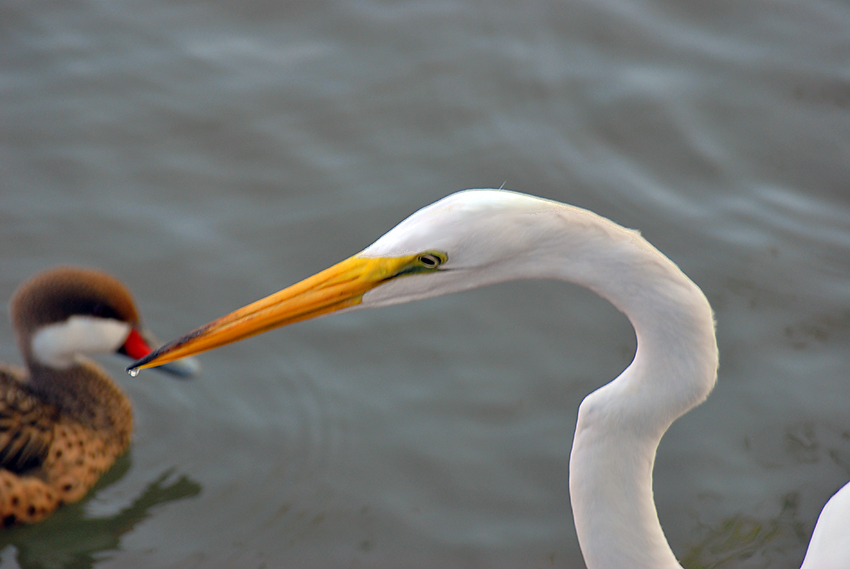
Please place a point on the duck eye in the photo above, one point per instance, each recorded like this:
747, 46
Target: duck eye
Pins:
98, 310
430, 260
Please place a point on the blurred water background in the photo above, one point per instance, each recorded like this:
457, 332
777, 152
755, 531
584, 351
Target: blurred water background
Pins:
210, 153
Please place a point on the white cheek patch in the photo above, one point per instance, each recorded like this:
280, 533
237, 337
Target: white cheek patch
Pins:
55, 345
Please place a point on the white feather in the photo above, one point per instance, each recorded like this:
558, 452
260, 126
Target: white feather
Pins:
56, 345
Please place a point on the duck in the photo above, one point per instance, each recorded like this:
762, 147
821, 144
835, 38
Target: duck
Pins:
63, 420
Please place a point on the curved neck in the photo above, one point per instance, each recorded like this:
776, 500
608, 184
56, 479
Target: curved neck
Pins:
621, 424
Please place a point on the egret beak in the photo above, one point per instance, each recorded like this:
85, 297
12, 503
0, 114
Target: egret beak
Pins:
339, 287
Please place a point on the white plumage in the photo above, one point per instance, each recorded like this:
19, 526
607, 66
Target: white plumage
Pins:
480, 237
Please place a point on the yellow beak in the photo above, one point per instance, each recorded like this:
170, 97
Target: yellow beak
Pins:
338, 287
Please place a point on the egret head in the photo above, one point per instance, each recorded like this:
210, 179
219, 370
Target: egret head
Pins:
466, 240
477, 237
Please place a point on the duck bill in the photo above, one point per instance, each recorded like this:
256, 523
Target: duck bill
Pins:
138, 345
337, 288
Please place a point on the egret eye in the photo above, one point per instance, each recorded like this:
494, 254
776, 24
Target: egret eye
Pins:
430, 260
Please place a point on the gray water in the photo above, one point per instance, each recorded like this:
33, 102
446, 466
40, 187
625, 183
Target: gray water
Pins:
211, 153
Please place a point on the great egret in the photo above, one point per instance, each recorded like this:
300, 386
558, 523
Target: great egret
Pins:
479, 237
63, 421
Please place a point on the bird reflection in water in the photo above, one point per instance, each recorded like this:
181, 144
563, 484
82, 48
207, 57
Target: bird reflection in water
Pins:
70, 538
